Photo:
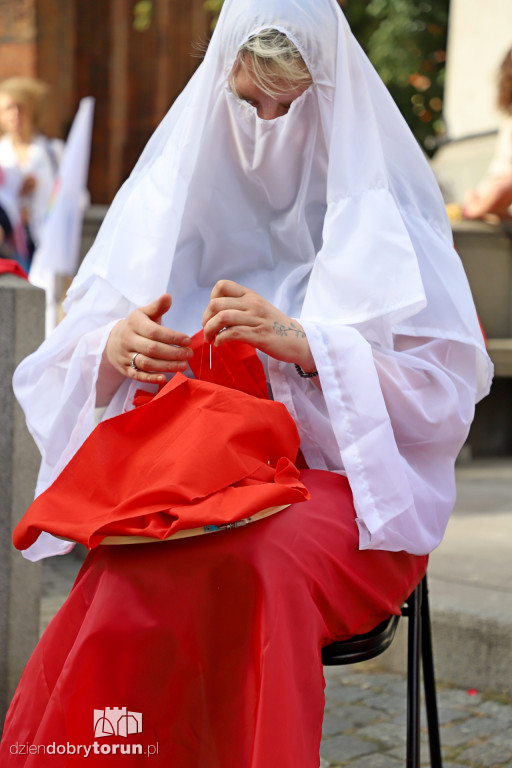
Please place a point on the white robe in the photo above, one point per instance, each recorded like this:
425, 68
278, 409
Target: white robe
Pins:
332, 214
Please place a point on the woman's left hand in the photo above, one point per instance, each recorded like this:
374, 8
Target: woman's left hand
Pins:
235, 313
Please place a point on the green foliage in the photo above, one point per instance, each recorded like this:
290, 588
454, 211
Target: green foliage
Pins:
408, 50
406, 42
213, 7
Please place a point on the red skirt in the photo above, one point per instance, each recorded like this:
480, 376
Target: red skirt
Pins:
205, 652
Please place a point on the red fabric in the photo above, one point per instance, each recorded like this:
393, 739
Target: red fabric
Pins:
196, 454
215, 640
483, 332
234, 365
11, 266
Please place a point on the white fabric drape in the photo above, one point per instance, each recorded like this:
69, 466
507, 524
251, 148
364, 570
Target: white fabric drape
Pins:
332, 214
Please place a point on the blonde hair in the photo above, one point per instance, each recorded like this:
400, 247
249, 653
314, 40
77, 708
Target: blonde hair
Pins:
30, 93
272, 62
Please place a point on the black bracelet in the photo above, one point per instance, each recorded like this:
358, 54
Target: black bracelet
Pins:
304, 374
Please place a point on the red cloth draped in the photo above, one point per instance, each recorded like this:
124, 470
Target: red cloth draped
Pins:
198, 453
10, 266
234, 365
215, 640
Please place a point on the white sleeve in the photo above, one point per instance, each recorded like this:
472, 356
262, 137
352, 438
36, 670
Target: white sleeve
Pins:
56, 386
393, 420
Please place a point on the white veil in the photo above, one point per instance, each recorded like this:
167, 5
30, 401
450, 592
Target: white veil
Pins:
331, 213
387, 250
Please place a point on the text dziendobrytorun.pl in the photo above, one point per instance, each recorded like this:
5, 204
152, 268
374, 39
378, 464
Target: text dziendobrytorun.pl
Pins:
84, 750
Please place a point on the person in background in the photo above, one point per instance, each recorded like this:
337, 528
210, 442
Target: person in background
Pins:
23, 146
12, 236
492, 198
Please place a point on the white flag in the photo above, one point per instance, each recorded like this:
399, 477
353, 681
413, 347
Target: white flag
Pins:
59, 247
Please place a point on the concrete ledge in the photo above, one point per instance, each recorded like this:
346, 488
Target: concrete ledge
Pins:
22, 323
470, 585
470, 651
486, 253
500, 352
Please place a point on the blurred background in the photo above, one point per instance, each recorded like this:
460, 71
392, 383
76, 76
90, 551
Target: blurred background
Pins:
135, 56
132, 57
438, 59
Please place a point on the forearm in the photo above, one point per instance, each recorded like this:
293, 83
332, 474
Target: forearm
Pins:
108, 382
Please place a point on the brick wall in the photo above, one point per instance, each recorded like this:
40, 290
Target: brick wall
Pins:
133, 57
134, 66
17, 38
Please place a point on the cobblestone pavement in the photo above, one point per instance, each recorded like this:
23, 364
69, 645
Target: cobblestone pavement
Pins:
365, 709
365, 715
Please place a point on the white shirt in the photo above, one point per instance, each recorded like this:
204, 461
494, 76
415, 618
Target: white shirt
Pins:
42, 163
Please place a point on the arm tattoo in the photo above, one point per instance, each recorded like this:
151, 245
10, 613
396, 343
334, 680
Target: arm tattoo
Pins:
282, 330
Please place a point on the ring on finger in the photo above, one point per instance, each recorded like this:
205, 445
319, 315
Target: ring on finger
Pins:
133, 363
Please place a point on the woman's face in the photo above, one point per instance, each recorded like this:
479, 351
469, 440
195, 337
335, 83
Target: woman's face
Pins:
267, 107
13, 115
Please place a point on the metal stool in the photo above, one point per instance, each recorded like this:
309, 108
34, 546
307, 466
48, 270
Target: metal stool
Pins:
365, 647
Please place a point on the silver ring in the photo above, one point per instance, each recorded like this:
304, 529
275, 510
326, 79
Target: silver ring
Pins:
132, 362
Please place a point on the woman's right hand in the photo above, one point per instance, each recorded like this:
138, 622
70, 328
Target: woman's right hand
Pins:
159, 350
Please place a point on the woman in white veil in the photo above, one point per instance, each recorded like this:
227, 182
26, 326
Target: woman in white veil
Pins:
297, 214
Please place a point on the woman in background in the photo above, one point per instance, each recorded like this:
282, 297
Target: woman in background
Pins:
12, 240
23, 146
492, 199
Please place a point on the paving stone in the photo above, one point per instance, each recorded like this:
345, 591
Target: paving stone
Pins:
345, 747
388, 702
445, 716
378, 761
333, 724
379, 681
486, 755
503, 740
480, 726
500, 712
350, 717
346, 694
448, 715
399, 753
455, 736
449, 765
458, 698
386, 734
354, 674
398, 686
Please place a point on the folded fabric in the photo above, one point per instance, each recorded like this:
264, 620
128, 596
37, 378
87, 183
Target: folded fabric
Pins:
10, 266
198, 454
234, 365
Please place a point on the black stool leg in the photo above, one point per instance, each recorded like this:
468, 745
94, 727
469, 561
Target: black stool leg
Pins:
429, 681
413, 678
